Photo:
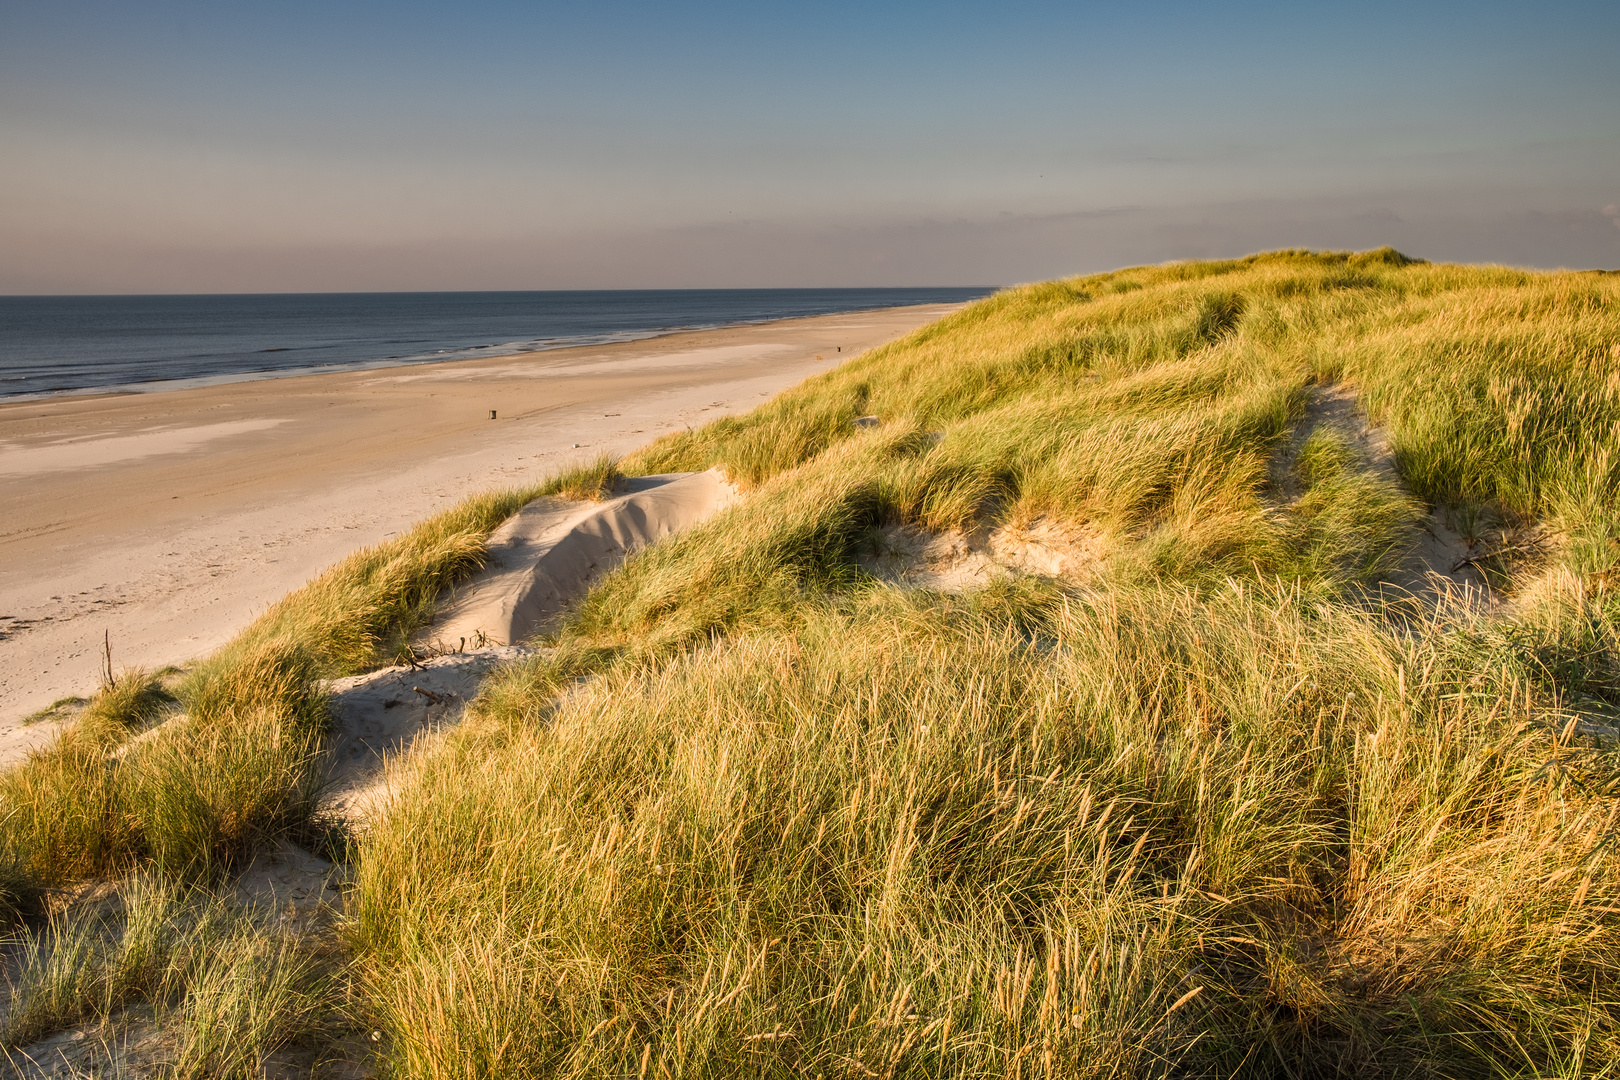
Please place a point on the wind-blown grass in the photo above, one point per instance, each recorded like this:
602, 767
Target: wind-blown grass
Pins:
1160, 834
1214, 815
1219, 810
227, 984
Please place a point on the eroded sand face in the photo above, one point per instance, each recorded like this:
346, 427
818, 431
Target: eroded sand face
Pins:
171, 553
551, 552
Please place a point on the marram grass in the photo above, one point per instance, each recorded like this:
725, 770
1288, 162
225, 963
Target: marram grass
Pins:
1147, 834
1224, 808
227, 986
1215, 815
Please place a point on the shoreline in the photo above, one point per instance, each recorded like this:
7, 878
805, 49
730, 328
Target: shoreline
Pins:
169, 520
566, 329
203, 382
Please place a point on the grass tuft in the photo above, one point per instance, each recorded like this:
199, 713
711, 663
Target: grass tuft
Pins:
202, 796
225, 983
133, 701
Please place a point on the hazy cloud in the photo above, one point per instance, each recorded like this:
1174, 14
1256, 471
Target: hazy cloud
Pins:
1002, 249
194, 146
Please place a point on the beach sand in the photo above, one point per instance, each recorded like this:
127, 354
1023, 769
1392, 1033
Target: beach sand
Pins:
167, 521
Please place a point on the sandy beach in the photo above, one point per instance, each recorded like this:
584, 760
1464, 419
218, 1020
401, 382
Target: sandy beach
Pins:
166, 521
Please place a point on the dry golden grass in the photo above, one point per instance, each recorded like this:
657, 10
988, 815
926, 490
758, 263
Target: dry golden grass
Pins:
1012, 834
1219, 810
1218, 814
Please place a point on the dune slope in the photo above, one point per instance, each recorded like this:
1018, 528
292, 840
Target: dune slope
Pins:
1273, 731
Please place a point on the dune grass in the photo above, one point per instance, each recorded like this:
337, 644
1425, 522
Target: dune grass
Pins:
1143, 834
227, 984
1222, 812
1225, 808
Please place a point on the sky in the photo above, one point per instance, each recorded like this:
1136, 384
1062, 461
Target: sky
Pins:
351, 145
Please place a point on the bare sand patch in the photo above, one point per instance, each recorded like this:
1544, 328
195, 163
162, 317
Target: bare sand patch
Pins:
552, 551
129, 1045
294, 884
381, 714
912, 557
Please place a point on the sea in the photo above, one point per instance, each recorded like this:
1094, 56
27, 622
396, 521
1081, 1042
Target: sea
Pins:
85, 344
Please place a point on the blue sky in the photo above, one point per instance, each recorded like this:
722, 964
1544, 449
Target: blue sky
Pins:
237, 147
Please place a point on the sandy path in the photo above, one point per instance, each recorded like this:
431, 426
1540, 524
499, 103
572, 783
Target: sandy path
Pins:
169, 520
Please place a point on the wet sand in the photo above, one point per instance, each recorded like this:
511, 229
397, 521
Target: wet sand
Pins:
168, 520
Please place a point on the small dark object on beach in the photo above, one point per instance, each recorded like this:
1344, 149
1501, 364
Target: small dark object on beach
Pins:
492, 414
